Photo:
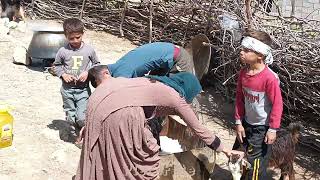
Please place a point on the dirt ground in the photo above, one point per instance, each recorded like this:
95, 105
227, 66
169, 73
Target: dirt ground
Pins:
38, 152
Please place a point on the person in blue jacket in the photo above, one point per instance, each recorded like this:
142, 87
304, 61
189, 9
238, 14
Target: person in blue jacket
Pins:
158, 58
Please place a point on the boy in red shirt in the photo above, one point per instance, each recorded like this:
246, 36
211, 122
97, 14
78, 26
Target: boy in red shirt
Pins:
258, 103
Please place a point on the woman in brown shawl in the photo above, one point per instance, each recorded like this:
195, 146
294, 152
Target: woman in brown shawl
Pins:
118, 144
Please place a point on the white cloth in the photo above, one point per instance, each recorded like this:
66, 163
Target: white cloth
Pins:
258, 46
169, 145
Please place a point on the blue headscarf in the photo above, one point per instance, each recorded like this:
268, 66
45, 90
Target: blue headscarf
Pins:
185, 83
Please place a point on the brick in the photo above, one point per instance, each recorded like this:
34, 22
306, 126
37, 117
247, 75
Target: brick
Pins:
305, 15
288, 8
298, 15
307, 5
299, 3
298, 10
313, 1
308, 10
287, 13
317, 17
316, 6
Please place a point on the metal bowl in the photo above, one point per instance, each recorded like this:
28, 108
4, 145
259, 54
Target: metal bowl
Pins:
201, 55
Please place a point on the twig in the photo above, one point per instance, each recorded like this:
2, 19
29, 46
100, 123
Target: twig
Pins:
150, 21
248, 13
296, 62
82, 9
122, 17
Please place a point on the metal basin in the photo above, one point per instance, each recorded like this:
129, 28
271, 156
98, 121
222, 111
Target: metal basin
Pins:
201, 55
45, 44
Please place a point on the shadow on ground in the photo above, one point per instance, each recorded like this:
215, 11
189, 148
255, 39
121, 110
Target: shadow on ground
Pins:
40, 65
308, 152
309, 160
216, 106
220, 174
67, 132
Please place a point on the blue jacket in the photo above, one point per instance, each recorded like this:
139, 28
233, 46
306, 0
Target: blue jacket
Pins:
143, 59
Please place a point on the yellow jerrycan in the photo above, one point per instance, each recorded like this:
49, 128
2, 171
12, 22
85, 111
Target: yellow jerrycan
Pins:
6, 126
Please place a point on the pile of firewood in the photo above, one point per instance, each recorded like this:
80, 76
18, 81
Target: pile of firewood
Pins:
296, 40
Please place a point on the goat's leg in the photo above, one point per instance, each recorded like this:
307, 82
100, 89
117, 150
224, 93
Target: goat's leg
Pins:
291, 172
284, 177
287, 172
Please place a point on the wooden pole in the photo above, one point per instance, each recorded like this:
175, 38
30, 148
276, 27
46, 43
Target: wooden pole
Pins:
248, 12
32, 5
187, 27
122, 17
293, 5
150, 21
82, 9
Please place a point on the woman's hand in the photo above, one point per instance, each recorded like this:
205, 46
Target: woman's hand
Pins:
229, 153
81, 135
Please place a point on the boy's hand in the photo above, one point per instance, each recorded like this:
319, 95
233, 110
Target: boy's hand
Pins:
270, 137
83, 76
68, 78
240, 132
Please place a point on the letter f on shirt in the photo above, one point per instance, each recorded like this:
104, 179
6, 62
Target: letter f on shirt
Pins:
77, 62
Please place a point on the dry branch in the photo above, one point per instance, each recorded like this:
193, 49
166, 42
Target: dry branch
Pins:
296, 39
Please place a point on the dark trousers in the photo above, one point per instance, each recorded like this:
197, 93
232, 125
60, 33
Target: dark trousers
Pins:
258, 152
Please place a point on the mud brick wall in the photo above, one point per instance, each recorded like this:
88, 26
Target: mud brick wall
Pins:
303, 8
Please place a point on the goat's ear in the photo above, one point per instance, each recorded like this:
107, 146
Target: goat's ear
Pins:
246, 164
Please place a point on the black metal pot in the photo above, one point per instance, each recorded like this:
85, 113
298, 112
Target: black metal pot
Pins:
45, 44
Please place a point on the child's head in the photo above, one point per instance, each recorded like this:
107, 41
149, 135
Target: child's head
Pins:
256, 48
73, 29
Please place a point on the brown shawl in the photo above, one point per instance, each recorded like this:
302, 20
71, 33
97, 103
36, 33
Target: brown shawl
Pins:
117, 93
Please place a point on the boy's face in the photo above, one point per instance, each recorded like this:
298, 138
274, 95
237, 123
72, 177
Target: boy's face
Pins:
250, 57
75, 39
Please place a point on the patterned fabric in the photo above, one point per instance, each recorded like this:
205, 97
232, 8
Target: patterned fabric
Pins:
258, 46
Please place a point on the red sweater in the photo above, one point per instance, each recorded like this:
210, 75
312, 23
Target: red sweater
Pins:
258, 98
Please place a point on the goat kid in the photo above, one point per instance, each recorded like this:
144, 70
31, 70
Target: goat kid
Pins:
283, 150
237, 165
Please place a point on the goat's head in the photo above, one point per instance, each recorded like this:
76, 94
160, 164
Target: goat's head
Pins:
236, 165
